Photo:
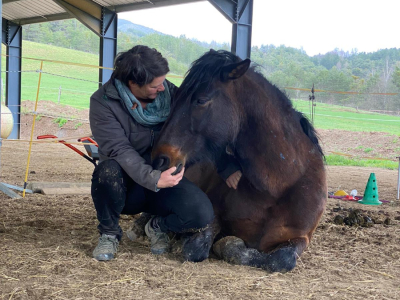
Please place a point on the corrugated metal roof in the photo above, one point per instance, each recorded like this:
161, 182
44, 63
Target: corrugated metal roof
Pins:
108, 3
29, 9
34, 11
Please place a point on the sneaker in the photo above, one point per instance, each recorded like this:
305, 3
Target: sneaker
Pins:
159, 240
106, 248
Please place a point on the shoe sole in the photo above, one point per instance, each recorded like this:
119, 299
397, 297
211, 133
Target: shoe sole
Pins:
104, 257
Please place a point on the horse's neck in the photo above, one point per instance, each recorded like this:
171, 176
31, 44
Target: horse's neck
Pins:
269, 146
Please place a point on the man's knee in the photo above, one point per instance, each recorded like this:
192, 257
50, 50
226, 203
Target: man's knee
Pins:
107, 173
201, 213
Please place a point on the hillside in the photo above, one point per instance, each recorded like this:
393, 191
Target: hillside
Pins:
135, 29
360, 80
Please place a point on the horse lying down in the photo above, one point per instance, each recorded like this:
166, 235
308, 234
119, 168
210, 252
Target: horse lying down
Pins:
268, 221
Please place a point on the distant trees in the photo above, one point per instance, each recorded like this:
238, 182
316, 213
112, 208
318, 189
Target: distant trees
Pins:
336, 72
68, 34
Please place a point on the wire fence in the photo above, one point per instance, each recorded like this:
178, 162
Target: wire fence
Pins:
384, 103
65, 89
57, 94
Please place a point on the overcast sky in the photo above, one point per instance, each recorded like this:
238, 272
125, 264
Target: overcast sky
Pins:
317, 26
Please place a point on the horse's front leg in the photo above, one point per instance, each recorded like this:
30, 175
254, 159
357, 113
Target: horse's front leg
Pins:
282, 259
196, 246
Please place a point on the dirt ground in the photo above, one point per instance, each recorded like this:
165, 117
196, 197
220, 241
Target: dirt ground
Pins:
46, 241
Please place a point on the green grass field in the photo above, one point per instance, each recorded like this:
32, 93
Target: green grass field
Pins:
78, 82
346, 118
337, 160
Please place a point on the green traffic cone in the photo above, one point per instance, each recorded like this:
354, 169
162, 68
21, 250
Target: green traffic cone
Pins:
371, 192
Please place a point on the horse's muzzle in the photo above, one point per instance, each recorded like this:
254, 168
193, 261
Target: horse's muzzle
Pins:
166, 156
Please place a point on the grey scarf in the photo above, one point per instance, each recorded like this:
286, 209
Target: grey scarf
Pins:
155, 112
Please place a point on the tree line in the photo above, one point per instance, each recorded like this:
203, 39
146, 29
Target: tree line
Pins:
357, 79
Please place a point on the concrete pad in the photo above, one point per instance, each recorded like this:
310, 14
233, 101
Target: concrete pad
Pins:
66, 191
60, 188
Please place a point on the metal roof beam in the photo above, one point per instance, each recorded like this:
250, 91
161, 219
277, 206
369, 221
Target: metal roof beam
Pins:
149, 4
46, 18
9, 1
78, 4
88, 6
86, 11
227, 8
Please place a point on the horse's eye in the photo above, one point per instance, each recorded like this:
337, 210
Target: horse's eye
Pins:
203, 100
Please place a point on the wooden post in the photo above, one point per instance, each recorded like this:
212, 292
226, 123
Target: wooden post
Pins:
59, 94
398, 181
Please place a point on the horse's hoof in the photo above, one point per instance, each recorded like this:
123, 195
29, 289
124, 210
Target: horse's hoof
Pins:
132, 235
137, 229
230, 248
281, 260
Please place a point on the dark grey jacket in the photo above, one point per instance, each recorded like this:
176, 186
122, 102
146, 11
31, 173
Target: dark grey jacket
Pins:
121, 138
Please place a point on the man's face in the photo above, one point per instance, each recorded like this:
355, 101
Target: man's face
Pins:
148, 92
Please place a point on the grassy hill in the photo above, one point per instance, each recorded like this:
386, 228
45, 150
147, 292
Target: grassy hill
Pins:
329, 116
78, 77
77, 81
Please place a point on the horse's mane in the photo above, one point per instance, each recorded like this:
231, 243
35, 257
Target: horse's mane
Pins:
205, 68
209, 65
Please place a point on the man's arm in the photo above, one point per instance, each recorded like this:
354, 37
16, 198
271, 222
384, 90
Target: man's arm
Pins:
114, 144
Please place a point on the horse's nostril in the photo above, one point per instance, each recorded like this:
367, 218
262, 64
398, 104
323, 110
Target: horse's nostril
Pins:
178, 169
161, 163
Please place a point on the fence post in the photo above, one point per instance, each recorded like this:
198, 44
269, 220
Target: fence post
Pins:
59, 94
2, 89
398, 181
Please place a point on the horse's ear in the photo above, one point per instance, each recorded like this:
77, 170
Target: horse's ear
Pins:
234, 71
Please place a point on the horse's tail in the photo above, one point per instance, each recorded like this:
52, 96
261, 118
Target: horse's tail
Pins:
310, 131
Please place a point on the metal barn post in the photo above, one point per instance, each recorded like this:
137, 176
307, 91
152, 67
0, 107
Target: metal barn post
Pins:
240, 14
12, 38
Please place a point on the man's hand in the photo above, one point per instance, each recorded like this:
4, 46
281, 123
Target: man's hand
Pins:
168, 180
233, 180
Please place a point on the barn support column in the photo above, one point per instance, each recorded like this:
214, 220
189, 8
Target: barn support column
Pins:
102, 22
108, 43
240, 14
12, 38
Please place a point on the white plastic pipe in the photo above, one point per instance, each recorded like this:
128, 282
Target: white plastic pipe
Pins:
398, 180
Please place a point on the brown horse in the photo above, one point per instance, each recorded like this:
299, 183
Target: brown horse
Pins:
224, 107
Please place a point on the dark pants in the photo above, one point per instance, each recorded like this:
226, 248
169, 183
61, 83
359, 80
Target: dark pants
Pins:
182, 207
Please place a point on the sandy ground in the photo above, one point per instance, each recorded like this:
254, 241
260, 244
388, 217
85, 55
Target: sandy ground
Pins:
46, 241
